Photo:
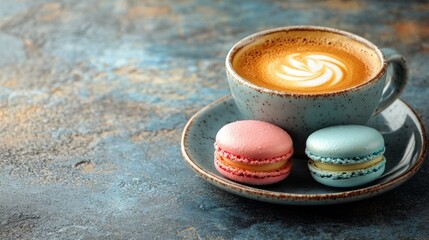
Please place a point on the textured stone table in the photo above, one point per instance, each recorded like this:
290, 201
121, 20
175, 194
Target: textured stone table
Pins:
94, 96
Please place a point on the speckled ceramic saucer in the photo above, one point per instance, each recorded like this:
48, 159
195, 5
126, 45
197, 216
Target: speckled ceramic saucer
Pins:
402, 130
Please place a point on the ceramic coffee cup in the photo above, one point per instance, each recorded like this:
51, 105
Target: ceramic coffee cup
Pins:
301, 112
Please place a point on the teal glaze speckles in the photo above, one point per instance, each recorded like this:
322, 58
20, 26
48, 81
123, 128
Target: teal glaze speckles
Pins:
345, 160
345, 144
347, 178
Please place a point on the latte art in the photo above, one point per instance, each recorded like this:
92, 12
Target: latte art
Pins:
309, 62
309, 70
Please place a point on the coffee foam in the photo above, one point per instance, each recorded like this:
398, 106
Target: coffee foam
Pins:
306, 61
309, 69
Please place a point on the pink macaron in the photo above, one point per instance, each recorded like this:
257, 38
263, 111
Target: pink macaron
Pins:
253, 152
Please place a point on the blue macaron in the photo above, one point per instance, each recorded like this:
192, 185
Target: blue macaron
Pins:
346, 155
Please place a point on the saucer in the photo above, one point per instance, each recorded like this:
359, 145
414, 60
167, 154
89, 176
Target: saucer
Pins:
402, 130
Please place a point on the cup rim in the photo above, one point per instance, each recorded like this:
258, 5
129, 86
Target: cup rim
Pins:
250, 38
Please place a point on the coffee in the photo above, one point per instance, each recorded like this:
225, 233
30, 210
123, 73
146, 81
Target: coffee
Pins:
306, 61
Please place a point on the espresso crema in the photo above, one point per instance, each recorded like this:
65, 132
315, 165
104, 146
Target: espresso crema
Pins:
306, 62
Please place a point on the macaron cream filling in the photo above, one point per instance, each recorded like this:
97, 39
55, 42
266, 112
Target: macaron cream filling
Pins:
252, 167
355, 177
348, 167
345, 160
252, 161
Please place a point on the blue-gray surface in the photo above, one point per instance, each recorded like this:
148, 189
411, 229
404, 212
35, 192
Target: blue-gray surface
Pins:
94, 96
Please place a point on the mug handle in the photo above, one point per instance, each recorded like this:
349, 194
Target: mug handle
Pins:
396, 78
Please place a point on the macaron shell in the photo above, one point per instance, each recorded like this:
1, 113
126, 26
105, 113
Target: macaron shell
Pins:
347, 143
252, 177
254, 139
347, 178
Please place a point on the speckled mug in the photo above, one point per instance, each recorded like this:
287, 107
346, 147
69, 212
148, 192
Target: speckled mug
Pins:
302, 114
